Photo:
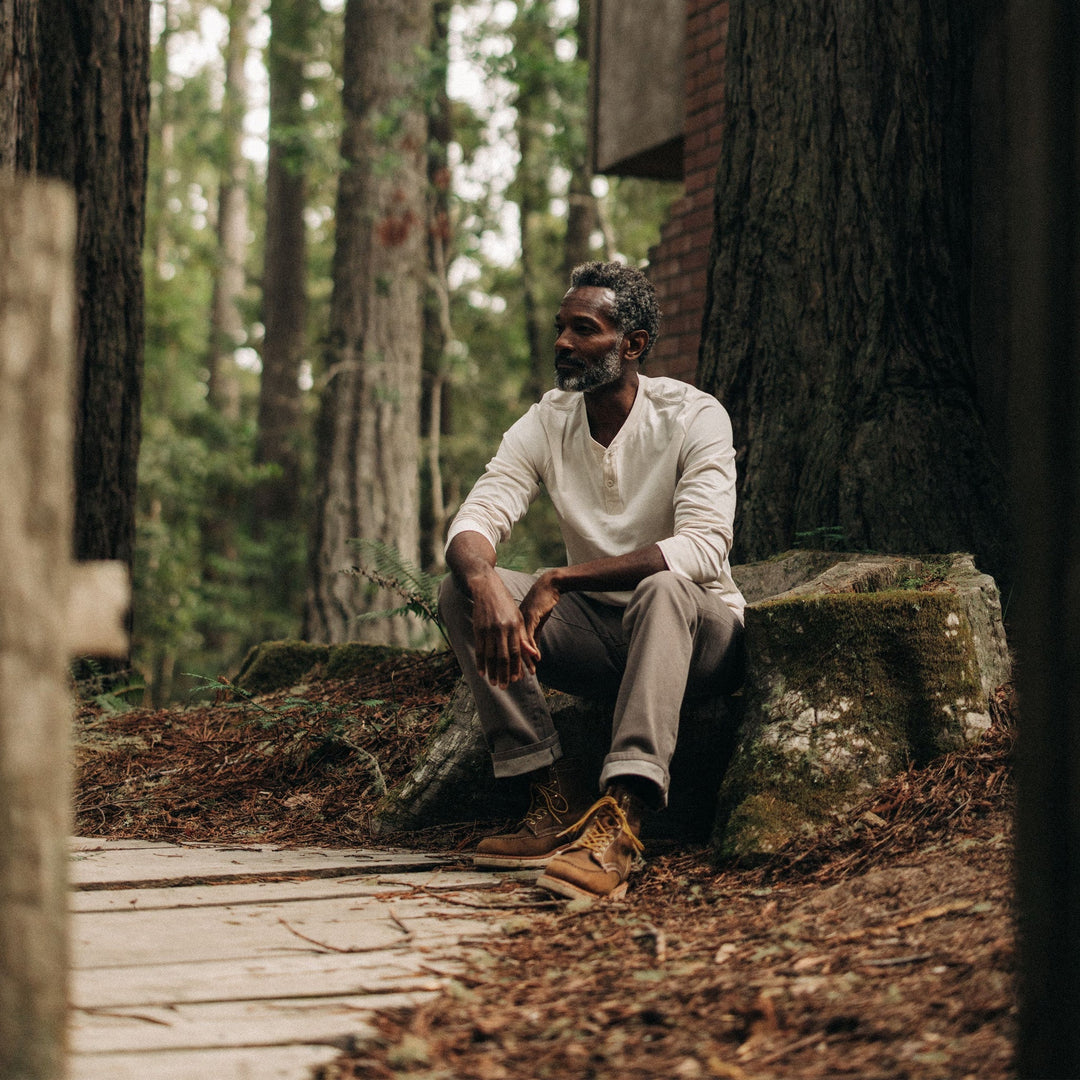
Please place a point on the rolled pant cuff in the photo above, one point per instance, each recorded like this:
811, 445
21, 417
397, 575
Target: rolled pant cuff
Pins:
614, 767
526, 759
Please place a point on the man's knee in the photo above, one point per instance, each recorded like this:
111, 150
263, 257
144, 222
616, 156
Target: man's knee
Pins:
453, 603
664, 587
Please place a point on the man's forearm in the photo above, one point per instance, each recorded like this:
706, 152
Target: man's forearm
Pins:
618, 573
470, 557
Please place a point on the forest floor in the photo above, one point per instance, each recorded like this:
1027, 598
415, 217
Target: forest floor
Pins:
882, 949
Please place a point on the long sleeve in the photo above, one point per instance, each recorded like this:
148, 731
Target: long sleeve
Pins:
704, 500
508, 485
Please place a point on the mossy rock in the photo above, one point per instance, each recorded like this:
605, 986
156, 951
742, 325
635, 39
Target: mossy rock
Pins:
273, 665
354, 659
850, 678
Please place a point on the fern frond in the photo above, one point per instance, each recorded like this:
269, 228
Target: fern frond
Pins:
385, 567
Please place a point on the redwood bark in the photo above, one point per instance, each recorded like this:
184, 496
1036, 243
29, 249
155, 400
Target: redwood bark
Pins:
285, 267
18, 86
438, 330
227, 331
582, 218
836, 328
369, 423
93, 116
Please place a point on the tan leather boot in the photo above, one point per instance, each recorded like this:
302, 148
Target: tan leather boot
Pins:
597, 864
558, 797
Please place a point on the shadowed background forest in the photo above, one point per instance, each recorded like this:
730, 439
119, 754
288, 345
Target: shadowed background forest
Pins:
226, 468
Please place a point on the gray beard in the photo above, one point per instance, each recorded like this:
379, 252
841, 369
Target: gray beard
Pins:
606, 371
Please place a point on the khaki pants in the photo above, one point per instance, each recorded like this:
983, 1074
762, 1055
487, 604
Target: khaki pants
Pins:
674, 639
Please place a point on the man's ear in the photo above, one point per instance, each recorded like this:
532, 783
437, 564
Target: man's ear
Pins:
637, 341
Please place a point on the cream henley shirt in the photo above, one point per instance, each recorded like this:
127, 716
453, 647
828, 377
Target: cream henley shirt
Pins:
668, 478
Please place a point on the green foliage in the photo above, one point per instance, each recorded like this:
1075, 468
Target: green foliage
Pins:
385, 567
112, 691
822, 538
635, 209
934, 572
199, 604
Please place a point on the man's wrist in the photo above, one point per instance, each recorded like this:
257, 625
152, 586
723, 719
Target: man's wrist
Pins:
478, 575
557, 579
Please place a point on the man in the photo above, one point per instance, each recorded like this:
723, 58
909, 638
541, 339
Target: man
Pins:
641, 473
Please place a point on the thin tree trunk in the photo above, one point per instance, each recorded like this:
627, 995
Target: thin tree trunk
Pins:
837, 327
535, 47
582, 219
166, 142
438, 330
531, 200
93, 110
1043, 95
284, 275
226, 322
368, 434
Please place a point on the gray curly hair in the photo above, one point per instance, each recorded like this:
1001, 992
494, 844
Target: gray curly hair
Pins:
636, 307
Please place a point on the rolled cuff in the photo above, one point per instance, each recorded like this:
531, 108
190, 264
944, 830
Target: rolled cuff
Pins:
526, 759
462, 524
616, 765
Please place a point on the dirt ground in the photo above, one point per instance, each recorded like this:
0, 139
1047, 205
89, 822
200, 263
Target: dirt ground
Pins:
882, 949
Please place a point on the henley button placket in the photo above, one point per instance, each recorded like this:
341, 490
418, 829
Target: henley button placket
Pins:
611, 484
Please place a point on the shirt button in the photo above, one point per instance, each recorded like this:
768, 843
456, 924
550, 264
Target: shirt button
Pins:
611, 483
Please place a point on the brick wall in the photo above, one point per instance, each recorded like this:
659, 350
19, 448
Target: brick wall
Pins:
677, 265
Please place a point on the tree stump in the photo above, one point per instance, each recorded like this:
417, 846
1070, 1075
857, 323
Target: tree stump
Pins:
875, 663
50, 610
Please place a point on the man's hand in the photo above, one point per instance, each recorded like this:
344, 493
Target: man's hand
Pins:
505, 649
538, 604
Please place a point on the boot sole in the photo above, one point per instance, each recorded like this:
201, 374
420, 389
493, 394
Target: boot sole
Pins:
575, 892
515, 862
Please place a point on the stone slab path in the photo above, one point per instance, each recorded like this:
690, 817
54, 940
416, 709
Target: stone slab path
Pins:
251, 963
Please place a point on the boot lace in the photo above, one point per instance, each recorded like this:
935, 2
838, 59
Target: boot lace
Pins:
545, 799
608, 820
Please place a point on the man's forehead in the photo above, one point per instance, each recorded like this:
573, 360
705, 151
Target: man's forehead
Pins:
598, 299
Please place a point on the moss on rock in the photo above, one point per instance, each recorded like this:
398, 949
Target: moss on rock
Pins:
354, 658
273, 665
848, 685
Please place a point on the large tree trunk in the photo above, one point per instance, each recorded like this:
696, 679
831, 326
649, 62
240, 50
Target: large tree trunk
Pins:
18, 86
226, 322
285, 268
534, 48
93, 110
368, 443
1044, 232
836, 328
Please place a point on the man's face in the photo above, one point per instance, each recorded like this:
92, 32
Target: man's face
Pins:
588, 347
